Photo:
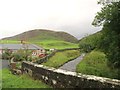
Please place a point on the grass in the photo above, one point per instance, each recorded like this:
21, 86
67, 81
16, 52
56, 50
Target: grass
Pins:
57, 44
23, 81
9, 41
61, 58
47, 44
41, 34
95, 63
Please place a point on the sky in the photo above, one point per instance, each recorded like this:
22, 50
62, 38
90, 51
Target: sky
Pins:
72, 16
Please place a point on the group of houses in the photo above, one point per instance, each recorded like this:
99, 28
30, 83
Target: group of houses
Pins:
36, 50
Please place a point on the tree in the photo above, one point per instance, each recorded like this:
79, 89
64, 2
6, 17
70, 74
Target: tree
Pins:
109, 18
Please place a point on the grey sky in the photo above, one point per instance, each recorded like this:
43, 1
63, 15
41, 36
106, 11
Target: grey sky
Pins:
73, 16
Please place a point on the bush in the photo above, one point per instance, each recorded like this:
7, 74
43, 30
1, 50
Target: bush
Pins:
21, 55
7, 54
85, 47
110, 45
18, 57
91, 42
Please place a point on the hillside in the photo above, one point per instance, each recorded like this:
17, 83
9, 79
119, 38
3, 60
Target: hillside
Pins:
91, 42
40, 35
96, 61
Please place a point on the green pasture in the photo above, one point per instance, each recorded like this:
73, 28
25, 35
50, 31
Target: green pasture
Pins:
47, 44
61, 58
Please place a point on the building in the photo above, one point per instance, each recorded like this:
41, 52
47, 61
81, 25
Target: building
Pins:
36, 50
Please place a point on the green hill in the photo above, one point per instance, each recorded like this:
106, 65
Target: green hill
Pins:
45, 38
90, 42
40, 35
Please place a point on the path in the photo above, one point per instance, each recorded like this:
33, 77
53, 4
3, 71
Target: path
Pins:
71, 66
4, 64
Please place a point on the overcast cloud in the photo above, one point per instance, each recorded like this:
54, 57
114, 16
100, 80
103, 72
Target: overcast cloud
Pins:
73, 16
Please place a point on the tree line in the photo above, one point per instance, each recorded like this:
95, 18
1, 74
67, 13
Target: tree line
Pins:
108, 39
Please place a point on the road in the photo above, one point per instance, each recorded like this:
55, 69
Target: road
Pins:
71, 66
4, 64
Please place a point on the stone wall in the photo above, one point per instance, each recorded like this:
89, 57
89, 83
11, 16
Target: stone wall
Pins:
65, 79
45, 59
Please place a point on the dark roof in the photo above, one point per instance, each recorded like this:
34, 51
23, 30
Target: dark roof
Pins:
19, 46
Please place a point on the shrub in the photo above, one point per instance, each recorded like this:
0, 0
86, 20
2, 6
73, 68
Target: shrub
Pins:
21, 55
91, 42
7, 54
86, 47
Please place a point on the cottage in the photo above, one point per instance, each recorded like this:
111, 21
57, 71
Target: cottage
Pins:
36, 50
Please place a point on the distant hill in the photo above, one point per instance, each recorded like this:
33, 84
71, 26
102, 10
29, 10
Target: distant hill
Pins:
41, 34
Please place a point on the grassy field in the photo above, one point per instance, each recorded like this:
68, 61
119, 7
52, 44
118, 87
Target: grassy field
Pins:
62, 57
47, 44
95, 63
55, 44
13, 81
9, 41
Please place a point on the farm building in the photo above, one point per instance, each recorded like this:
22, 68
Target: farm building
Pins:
36, 50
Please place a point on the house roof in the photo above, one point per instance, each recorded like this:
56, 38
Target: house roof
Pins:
19, 46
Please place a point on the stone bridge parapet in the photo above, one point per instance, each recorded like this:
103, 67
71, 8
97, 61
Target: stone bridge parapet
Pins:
65, 79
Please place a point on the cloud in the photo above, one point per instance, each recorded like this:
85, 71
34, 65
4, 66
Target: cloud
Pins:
73, 16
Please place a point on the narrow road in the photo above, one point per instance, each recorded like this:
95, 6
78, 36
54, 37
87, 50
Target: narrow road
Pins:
71, 66
4, 64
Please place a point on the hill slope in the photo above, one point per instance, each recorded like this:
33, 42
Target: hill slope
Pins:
40, 35
90, 42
